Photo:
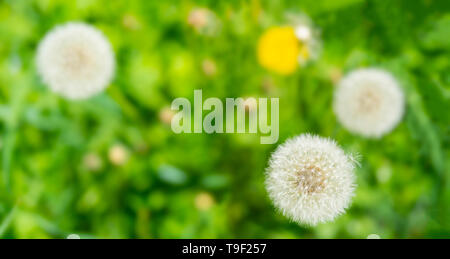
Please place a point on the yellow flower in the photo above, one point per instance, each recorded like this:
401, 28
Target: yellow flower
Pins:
279, 50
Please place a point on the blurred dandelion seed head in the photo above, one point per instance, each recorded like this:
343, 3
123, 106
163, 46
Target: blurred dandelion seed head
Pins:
303, 33
118, 155
130, 22
204, 201
73, 236
204, 21
209, 67
369, 102
166, 115
198, 17
373, 236
75, 60
92, 162
335, 74
310, 179
308, 35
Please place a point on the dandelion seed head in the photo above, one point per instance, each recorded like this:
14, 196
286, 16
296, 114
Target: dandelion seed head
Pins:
198, 17
93, 162
130, 22
204, 21
118, 155
308, 35
373, 236
369, 102
209, 67
73, 236
204, 201
303, 32
166, 115
310, 179
75, 60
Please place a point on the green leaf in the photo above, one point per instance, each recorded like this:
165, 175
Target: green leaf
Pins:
438, 36
420, 120
7, 221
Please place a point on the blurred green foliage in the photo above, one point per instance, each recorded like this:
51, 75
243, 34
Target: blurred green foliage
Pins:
110, 166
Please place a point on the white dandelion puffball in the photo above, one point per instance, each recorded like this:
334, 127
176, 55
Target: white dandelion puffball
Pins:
369, 102
73, 236
303, 32
75, 60
373, 236
307, 34
310, 179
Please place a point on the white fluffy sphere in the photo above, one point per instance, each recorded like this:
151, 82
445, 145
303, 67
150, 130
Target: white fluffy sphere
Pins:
75, 60
369, 102
310, 179
373, 236
73, 236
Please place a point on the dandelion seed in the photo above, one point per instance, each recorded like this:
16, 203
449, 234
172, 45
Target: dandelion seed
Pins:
75, 60
369, 102
310, 179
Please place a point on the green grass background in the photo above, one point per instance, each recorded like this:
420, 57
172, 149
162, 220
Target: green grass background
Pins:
46, 190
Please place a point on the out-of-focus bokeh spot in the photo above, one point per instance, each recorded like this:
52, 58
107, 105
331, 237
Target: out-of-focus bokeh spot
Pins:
111, 167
